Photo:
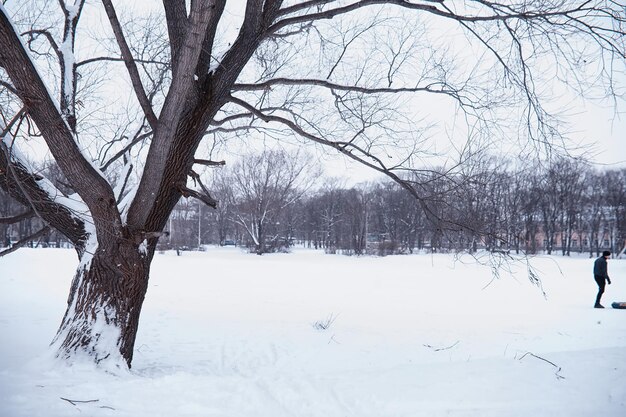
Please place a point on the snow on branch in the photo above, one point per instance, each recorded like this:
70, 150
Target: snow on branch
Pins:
38, 193
49, 118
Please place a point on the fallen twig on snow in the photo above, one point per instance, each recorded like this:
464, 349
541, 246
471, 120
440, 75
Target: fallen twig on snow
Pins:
443, 348
326, 323
74, 402
558, 368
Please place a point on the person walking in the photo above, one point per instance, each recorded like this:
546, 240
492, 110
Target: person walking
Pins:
601, 275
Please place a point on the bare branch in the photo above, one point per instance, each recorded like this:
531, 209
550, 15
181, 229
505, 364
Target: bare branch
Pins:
209, 163
303, 6
74, 402
34, 33
179, 93
23, 242
16, 219
122, 188
8, 87
349, 149
112, 59
18, 117
138, 138
227, 119
58, 135
177, 25
435, 88
130, 65
512, 14
205, 198
558, 368
436, 349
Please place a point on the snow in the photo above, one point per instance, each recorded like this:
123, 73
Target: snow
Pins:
226, 333
67, 52
143, 247
73, 203
16, 154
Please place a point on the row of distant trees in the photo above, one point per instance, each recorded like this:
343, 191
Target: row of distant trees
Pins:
268, 203
273, 200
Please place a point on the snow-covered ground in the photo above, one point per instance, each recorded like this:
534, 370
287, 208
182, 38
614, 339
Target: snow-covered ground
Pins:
225, 333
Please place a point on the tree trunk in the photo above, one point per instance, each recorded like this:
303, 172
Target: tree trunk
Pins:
105, 301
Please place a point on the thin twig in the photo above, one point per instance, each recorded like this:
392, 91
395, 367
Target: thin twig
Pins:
558, 368
74, 402
443, 348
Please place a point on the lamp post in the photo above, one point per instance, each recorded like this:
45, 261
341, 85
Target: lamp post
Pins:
199, 222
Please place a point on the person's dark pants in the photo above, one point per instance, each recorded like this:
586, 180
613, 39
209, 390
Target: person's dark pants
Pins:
601, 281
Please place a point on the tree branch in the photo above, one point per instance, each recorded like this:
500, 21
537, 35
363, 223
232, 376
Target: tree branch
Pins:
345, 148
268, 84
205, 60
8, 87
204, 197
429, 8
138, 138
85, 179
558, 368
127, 56
21, 243
177, 26
33, 33
26, 188
16, 219
209, 163
112, 59
18, 116
180, 95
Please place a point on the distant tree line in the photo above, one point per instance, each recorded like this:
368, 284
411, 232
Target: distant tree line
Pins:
564, 207
268, 203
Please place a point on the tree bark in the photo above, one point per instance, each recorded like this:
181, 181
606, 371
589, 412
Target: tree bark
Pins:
105, 301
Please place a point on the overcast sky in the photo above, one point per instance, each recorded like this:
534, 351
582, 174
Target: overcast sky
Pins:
597, 130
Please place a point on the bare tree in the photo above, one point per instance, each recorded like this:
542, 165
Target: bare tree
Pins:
324, 213
223, 214
342, 74
616, 200
263, 187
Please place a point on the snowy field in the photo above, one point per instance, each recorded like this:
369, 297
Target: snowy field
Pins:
224, 333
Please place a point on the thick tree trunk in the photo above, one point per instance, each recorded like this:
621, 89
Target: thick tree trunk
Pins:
105, 301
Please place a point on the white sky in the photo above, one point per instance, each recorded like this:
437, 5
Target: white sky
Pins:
601, 128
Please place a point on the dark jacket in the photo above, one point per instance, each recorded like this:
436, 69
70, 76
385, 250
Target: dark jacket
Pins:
600, 268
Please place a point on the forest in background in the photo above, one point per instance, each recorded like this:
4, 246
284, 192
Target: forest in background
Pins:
274, 200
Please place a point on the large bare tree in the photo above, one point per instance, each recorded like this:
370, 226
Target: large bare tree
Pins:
352, 75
